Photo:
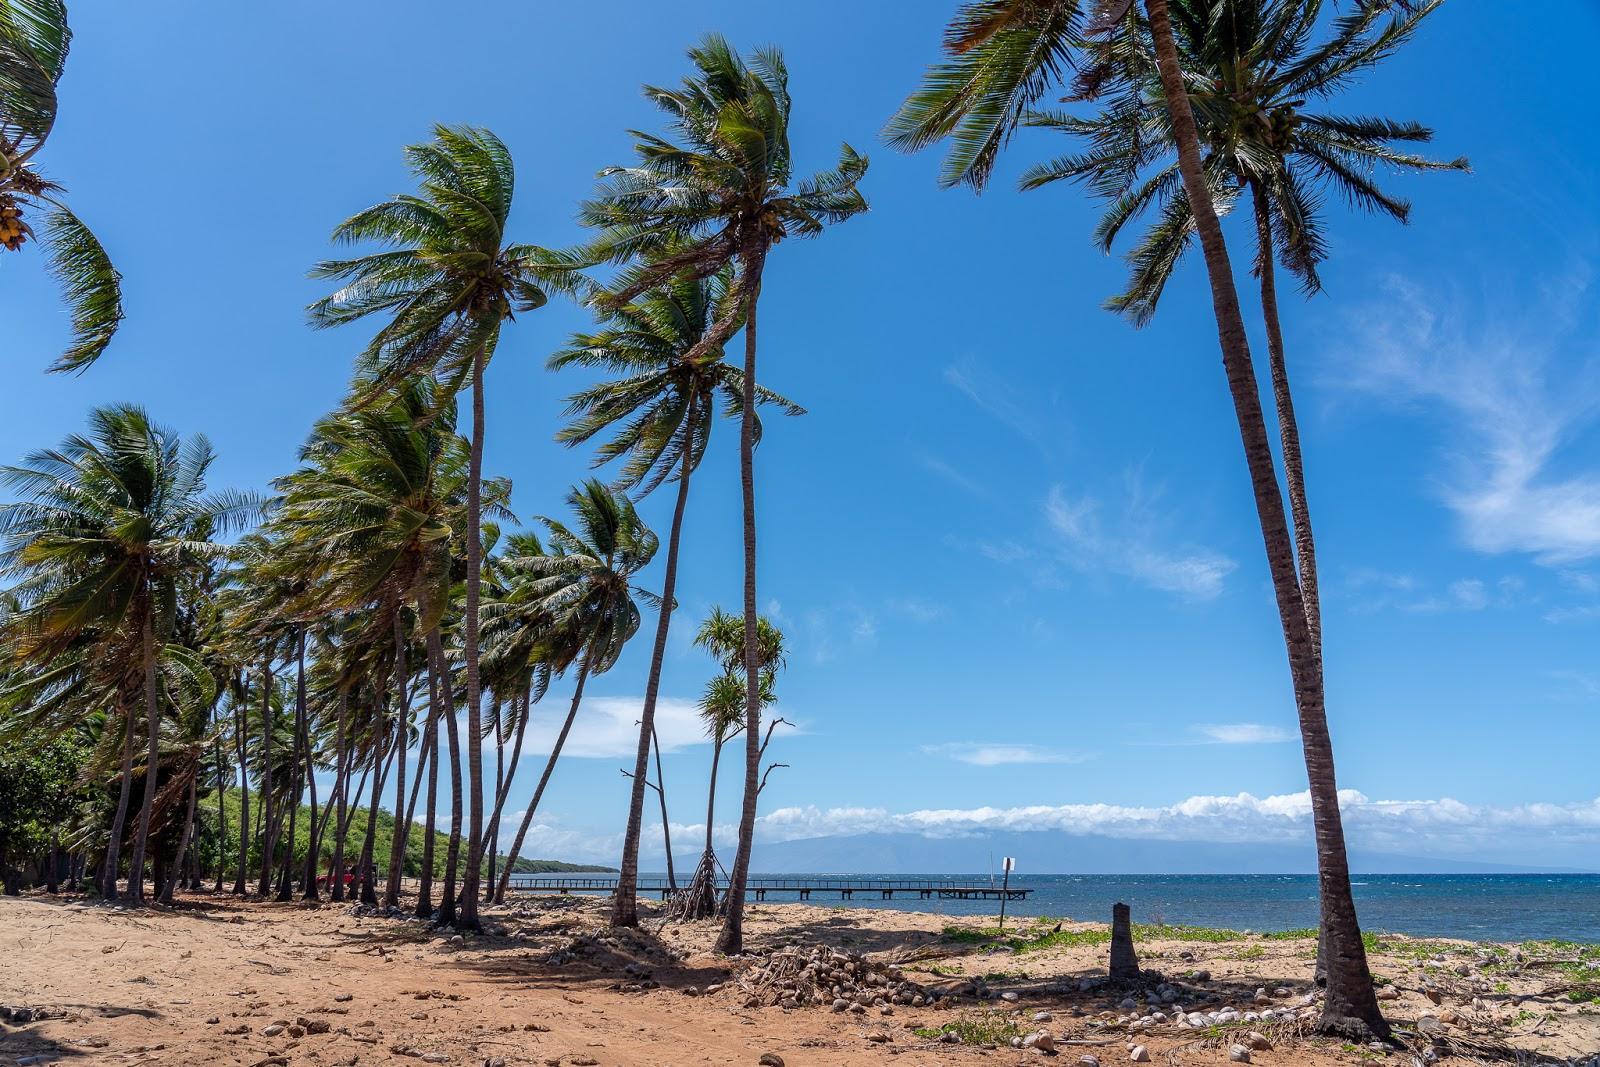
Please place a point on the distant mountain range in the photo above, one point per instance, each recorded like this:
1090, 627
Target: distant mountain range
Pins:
1050, 852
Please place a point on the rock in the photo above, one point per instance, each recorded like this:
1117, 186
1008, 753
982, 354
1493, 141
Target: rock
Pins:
1009, 997
1463, 970
1388, 992
343, 998
1258, 1041
770, 1059
1088, 1061
1043, 1017
273, 1031
213, 1020
878, 1037
435, 1057
1139, 1054
1238, 1054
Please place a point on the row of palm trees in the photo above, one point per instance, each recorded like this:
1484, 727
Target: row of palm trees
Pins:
1182, 108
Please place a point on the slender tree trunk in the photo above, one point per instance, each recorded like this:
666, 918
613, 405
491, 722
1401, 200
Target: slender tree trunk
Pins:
152, 712
491, 853
183, 840
240, 724
468, 916
222, 811
711, 794
661, 795
308, 874
299, 766
1350, 1007
369, 890
1288, 427
269, 843
731, 940
402, 713
452, 858
544, 779
493, 833
53, 860
120, 819
336, 874
625, 905
425, 886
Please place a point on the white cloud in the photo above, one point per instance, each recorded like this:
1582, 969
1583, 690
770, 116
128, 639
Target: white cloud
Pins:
1446, 825
996, 754
959, 479
1241, 733
1516, 411
1000, 399
608, 727
1374, 590
914, 609
1128, 544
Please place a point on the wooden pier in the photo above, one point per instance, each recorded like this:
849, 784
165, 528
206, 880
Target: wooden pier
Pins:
801, 885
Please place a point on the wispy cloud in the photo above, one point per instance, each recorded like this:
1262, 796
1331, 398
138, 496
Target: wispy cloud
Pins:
1002, 400
915, 609
1375, 590
1519, 387
608, 727
998, 754
1128, 543
1241, 733
958, 478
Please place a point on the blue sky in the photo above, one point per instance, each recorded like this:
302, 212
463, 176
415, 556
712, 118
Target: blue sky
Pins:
1012, 544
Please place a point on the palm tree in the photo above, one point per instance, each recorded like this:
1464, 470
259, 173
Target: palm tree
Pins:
34, 40
722, 710
581, 594
658, 409
105, 529
1003, 55
447, 281
1251, 69
723, 194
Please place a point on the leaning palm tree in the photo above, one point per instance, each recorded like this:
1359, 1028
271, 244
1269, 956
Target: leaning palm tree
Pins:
34, 40
658, 411
1251, 74
580, 592
446, 281
1002, 57
722, 194
105, 528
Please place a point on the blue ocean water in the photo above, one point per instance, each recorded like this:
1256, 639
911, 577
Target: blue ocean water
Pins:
1492, 907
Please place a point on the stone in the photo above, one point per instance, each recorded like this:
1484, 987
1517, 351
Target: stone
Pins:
435, 1057
1139, 1054
343, 998
1088, 1061
273, 1031
1238, 1054
1258, 1041
770, 1059
1388, 992
1124, 964
1009, 997
1043, 1017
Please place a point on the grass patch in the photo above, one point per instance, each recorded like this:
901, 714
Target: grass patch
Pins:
1254, 952
975, 1029
1308, 933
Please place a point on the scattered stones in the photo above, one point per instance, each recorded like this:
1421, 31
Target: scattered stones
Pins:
794, 977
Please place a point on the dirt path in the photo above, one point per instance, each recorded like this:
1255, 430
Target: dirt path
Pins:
219, 981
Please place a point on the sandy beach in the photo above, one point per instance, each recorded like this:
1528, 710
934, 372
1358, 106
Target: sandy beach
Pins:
220, 981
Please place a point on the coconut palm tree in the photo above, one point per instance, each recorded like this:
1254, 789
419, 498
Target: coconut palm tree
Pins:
446, 280
723, 193
34, 40
658, 410
1252, 68
105, 528
1002, 57
722, 710
581, 593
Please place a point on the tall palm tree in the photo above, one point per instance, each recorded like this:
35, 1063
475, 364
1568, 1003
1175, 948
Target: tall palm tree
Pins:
1252, 68
34, 40
722, 194
582, 593
1002, 57
104, 530
447, 281
658, 411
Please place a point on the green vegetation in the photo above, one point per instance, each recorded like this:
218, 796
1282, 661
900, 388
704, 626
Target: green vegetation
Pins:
975, 1028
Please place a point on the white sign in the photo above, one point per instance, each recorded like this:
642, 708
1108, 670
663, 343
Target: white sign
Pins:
1008, 864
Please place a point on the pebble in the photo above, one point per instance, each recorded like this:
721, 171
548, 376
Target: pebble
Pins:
1139, 1054
273, 1031
1088, 1061
1238, 1054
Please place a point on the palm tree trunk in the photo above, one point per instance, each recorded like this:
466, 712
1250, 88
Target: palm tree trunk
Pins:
731, 939
152, 713
711, 794
1288, 428
661, 795
491, 853
336, 874
308, 875
268, 845
298, 767
369, 890
119, 820
425, 886
468, 917
240, 715
1350, 1007
183, 840
544, 779
624, 906
492, 835
222, 811
452, 857
402, 710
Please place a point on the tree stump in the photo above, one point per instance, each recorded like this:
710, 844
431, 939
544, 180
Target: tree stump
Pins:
1124, 964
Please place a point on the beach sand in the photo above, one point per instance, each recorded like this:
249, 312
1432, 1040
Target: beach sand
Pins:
213, 981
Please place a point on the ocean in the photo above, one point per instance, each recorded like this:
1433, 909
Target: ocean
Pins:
1479, 907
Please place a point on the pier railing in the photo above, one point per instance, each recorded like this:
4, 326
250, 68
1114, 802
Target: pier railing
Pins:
801, 886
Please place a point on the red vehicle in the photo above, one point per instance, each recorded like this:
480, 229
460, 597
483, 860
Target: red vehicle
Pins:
327, 879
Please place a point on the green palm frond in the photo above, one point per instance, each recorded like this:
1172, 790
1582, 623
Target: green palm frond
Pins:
91, 285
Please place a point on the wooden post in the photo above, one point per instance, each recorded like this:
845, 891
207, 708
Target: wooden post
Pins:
1005, 886
1124, 964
